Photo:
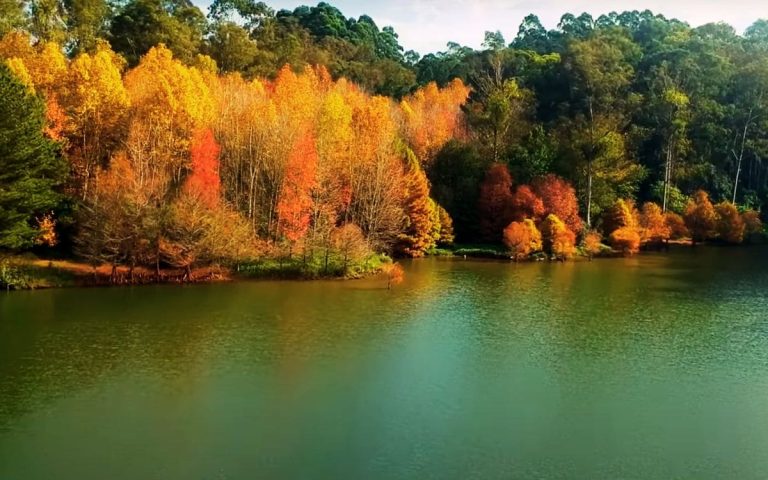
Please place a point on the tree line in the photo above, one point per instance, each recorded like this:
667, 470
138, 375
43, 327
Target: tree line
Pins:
167, 164
145, 133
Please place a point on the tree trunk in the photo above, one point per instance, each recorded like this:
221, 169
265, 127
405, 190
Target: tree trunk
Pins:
740, 156
589, 194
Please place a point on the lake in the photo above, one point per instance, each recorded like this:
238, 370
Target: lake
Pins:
648, 367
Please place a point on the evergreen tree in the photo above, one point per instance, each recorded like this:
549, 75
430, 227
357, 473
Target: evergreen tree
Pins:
30, 167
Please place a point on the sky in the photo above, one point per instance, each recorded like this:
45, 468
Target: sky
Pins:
428, 25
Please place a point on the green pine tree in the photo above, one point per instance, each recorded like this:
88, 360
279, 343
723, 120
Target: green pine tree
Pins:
30, 167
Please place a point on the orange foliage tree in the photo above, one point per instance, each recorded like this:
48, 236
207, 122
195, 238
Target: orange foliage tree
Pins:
395, 274
495, 202
700, 217
446, 237
623, 213
559, 199
730, 225
676, 225
654, 227
417, 235
293, 208
522, 238
592, 244
432, 116
204, 181
626, 240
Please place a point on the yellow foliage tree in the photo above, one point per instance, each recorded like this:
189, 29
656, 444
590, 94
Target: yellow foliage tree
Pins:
96, 103
559, 240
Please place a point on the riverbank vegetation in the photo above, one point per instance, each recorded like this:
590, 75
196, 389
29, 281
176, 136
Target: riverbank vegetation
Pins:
144, 137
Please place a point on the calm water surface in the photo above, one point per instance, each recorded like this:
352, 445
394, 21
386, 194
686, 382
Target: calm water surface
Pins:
650, 367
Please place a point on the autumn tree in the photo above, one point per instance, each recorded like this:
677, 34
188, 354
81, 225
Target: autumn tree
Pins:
115, 224
416, 237
446, 237
654, 227
255, 144
432, 116
350, 245
495, 202
394, 273
376, 175
593, 244
96, 104
626, 240
204, 181
559, 199
522, 238
700, 217
676, 225
526, 204
622, 214
293, 208
558, 240
730, 225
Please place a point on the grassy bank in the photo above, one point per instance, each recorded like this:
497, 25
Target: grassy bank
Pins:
300, 268
29, 272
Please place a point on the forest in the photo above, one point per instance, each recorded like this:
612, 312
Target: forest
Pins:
146, 135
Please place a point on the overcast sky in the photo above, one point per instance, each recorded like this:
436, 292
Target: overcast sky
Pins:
427, 25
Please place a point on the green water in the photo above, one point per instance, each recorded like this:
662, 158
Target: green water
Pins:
650, 367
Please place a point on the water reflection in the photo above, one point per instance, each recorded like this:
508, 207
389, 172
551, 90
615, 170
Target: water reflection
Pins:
653, 366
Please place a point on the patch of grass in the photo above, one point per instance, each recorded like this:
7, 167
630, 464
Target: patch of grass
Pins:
19, 275
482, 251
298, 268
440, 252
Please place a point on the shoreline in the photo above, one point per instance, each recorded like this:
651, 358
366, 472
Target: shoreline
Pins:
43, 274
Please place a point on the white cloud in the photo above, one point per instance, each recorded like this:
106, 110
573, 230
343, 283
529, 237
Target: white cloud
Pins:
427, 25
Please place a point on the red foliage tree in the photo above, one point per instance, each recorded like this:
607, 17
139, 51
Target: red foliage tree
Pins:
204, 181
559, 199
495, 202
526, 204
295, 204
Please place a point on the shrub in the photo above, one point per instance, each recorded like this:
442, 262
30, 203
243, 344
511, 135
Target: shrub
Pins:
559, 240
700, 217
626, 240
752, 223
592, 243
623, 213
730, 226
653, 224
522, 238
676, 224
